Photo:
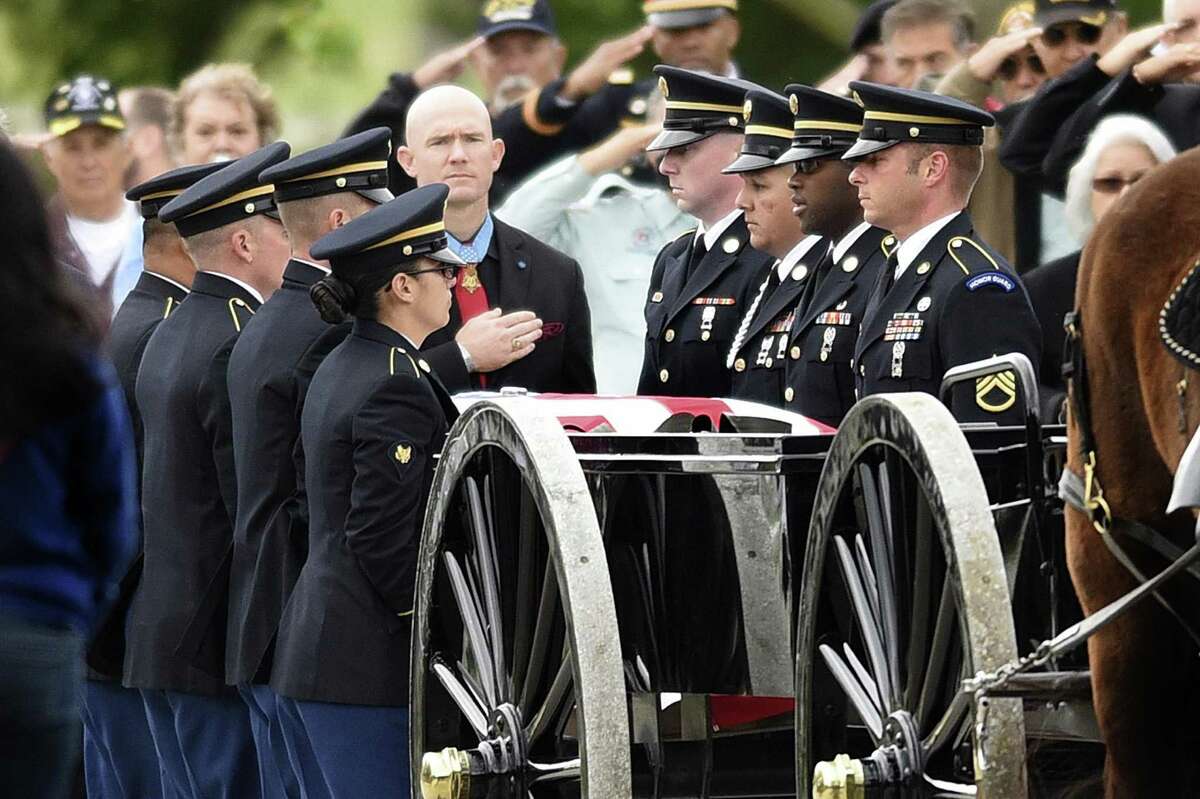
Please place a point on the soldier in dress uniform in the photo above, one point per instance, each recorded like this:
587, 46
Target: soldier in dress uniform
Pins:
118, 752
759, 347
375, 417
201, 728
701, 282
269, 371
944, 298
820, 343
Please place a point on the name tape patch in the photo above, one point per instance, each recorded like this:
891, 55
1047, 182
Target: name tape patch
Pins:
997, 279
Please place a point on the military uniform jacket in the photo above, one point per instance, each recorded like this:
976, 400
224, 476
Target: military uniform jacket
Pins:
150, 301
520, 273
690, 323
957, 302
374, 419
818, 381
761, 347
188, 484
267, 385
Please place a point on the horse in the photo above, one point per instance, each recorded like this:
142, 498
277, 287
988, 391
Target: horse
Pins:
1144, 407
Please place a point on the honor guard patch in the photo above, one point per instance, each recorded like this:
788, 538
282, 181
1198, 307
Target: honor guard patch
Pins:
714, 301
996, 393
835, 318
997, 279
903, 327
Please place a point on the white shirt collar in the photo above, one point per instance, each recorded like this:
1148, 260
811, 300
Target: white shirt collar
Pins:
253, 291
911, 247
313, 264
785, 264
174, 283
713, 233
847, 241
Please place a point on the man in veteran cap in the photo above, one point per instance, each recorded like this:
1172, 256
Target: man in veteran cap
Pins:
175, 654
269, 371
944, 298
819, 341
701, 282
695, 34
758, 352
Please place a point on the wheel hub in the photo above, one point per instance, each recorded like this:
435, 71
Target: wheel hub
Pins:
451, 773
898, 762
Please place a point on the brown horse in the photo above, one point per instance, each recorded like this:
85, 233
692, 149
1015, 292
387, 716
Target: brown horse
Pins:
1145, 669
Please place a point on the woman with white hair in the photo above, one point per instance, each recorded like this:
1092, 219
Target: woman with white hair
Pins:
1119, 152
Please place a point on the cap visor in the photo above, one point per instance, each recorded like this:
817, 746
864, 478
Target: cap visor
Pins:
446, 256
1079, 13
749, 163
864, 147
377, 196
797, 154
690, 18
64, 125
515, 25
674, 138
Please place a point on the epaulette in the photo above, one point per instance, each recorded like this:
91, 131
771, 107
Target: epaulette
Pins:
237, 304
621, 77
418, 364
956, 249
888, 245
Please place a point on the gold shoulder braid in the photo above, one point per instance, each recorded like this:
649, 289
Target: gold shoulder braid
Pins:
956, 244
392, 361
238, 302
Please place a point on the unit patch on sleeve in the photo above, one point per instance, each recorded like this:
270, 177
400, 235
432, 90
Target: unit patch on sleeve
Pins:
997, 279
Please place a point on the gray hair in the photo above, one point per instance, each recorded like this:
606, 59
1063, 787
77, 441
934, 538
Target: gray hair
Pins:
1115, 129
912, 13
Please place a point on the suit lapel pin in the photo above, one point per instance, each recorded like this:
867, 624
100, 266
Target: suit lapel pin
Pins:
730, 245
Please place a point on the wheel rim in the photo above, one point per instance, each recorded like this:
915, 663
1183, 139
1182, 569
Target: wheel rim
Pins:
890, 621
512, 585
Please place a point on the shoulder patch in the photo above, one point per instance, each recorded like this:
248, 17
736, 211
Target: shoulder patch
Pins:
238, 305
998, 279
403, 353
963, 250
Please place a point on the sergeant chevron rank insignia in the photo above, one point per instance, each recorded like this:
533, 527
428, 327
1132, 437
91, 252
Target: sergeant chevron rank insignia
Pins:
996, 393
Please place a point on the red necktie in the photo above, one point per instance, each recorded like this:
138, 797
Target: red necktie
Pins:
471, 297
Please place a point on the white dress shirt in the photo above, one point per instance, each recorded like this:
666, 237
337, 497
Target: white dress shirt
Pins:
846, 242
911, 247
253, 291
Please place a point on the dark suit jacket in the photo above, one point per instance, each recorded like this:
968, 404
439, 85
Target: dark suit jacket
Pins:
535, 132
373, 421
270, 538
690, 323
759, 361
1052, 292
975, 307
520, 273
819, 382
152, 300
188, 484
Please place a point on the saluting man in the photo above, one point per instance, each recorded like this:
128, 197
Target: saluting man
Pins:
760, 346
944, 298
201, 728
818, 381
701, 282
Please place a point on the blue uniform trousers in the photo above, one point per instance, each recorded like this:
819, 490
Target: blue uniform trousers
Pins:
204, 744
359, 750
278, 781
119, 759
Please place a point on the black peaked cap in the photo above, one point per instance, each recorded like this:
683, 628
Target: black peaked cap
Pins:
227, 195
823, 124
698, 105
153, 194
356, 163
892, 116
768, 131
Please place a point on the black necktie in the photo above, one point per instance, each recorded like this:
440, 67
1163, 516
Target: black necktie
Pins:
696, 256
889, 277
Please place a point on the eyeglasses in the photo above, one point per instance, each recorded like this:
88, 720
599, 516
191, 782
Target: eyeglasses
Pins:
449, 271
1114, 184
1010, 67
1081, 32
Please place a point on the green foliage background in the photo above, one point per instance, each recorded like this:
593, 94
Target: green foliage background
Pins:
327, 58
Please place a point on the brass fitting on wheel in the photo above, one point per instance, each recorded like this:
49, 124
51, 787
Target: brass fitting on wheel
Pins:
840, 778
445, 775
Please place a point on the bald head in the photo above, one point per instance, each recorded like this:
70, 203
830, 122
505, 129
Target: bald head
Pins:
449, 140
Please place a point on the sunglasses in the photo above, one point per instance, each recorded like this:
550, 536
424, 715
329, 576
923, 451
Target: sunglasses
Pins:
811, 165
1010, 67
1112, 185
1081, 32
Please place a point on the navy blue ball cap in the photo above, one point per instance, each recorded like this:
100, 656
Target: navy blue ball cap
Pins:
228, 195
357, 163
153, 194
501, 16
1089, 12
823, 124
698, 105
84, 100
892, 116
768, 131
409, 227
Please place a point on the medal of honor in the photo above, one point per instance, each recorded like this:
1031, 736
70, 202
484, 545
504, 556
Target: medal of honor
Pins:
470, 279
